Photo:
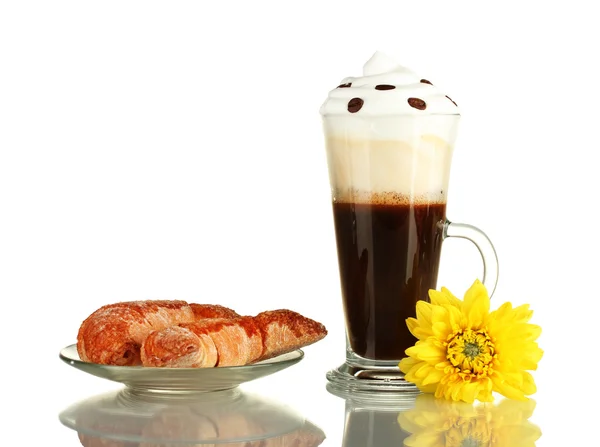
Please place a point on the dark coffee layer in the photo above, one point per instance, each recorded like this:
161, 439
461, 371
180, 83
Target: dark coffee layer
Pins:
388, 257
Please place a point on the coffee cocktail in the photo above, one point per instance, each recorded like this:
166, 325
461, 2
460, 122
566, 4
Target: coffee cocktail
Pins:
389, 139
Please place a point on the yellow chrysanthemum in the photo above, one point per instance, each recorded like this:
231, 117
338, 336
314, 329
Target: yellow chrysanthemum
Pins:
435, 422
465, 352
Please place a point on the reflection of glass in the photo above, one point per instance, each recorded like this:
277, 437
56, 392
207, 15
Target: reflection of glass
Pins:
127, 418
372, 419
435, 422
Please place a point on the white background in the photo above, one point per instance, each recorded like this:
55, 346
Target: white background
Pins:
174, 150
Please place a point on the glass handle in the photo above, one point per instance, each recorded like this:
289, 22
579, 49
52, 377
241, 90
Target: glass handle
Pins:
485, 247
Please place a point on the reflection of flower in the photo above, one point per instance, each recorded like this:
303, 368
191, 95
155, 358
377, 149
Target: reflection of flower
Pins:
465, 352
435, 423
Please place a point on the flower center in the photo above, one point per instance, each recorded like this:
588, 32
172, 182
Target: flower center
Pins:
471, 350
471, 353
470, 442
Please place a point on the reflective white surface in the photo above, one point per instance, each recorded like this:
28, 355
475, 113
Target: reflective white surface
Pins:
124, 418
299, 394
220, 417
174, 150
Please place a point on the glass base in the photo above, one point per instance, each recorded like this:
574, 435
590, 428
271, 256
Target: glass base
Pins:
356, 378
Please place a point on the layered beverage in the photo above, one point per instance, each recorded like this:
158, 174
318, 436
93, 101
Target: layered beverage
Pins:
389, 139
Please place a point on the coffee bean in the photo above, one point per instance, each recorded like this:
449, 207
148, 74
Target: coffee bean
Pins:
346, 85
417, 103
385, 87
425, 81
355, 104
451, 100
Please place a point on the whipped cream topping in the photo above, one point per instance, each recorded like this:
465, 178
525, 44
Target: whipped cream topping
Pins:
387, 88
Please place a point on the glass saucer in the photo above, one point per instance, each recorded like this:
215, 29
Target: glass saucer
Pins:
181, 380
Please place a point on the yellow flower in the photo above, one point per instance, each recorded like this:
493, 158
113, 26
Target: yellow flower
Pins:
465, 352
435, 422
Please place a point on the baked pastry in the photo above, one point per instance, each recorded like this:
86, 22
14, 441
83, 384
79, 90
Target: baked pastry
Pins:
235, 342
113, 334
202, 311
205, 343
285, 331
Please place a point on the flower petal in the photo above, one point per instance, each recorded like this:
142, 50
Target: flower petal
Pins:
528, 386
476, 305
433, 377
426, 351
442, 326
509, 391
454, 301
444, 298
503, 386
407, 363
412, 324
470, 391
423, 370
424, 311
485, 396
457, 319
522, 313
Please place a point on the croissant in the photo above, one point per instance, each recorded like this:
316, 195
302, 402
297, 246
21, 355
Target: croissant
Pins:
113, 334
285, 331
202, 311
233, 342
207, 343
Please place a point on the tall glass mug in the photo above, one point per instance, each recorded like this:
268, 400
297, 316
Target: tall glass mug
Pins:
389, 182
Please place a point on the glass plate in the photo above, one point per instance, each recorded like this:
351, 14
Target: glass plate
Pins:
181, 380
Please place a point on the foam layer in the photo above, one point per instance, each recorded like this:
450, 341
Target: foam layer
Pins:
384, 198
389, 172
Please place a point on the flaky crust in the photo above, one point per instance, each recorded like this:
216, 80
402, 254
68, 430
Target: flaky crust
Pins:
284, 331
176, 334
203, 311
113, 334
178, 347
236, 341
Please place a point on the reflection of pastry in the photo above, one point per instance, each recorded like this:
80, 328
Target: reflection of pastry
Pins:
178, 424
181, 426
237, 342
232, 419
95, 441
309, 435
113, 334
